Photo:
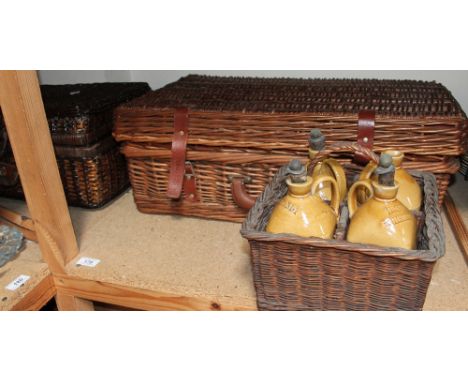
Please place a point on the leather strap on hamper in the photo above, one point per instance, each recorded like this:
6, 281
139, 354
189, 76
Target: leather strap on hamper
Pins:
179, 146
365, 136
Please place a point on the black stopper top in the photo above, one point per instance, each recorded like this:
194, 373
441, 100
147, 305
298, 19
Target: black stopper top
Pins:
297, 171
316, 140
386, 170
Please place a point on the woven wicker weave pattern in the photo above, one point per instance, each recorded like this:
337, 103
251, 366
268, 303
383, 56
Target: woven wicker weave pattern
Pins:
88, 181
234, 121
344, 280
278, 95
80, 119
295, 273
80, 130
148, 169
289, 131
92, 182
82, 114
149, 179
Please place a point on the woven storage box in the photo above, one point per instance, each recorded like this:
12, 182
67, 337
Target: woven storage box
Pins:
207, 146
91, 176
80, 117
82, 114
296, 273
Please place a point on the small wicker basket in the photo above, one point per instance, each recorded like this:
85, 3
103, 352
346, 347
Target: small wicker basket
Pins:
296, 273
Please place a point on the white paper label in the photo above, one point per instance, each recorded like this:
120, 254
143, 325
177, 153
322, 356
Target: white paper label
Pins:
16, 283
88, 262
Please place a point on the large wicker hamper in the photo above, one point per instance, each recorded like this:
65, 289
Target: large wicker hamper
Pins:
80, 117
207, 146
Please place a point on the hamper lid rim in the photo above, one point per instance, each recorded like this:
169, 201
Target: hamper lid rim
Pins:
124, 108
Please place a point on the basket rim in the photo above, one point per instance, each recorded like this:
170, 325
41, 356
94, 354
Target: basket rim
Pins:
236, 155
127, 110
427, 255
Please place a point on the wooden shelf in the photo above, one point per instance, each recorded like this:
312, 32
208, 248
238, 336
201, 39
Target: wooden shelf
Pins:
169, 262
159, 261
155, 262
39, 289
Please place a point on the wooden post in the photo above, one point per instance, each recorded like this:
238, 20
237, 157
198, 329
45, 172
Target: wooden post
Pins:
458, 227
67, 302
29, 135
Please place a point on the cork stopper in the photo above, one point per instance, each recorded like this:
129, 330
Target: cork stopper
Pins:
386, 171
297, 171
316, 140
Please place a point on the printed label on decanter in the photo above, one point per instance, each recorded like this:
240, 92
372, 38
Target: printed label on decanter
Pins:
290, 207
397, 213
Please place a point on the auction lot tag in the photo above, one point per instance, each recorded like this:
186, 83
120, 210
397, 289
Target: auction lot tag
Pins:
88, 262
16, 283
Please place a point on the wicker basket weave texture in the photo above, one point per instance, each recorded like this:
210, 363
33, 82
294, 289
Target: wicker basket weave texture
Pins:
417, 117
295, 273
250, 127
80, 117
91, 182
149, 175
82, 114
404, 98
90, 178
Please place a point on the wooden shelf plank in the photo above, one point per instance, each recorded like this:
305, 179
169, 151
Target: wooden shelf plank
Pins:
123, 295
36, 291
160, 262
40, 295
172, 259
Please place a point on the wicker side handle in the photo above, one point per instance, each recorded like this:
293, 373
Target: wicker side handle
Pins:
343, 147
239, 193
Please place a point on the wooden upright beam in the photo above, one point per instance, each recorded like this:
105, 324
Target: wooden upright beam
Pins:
69, 302
458, 227
28, 131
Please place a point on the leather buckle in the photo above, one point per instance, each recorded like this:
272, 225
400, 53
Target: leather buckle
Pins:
190, 184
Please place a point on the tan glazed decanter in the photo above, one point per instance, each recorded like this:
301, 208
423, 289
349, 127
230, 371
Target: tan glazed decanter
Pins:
382, 220
301, 211
329, 167
409, 192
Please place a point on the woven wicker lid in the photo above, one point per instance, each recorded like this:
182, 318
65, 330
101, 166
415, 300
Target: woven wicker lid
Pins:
403, 98
77, 99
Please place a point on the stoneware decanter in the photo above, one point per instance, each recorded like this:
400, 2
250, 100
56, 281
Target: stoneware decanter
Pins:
329, 167
382, 220
302, 212
409, 192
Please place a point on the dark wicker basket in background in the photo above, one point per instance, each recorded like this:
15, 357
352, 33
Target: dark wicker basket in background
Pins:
82, 114
247, 128
80, 117
91, 176
296, 273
